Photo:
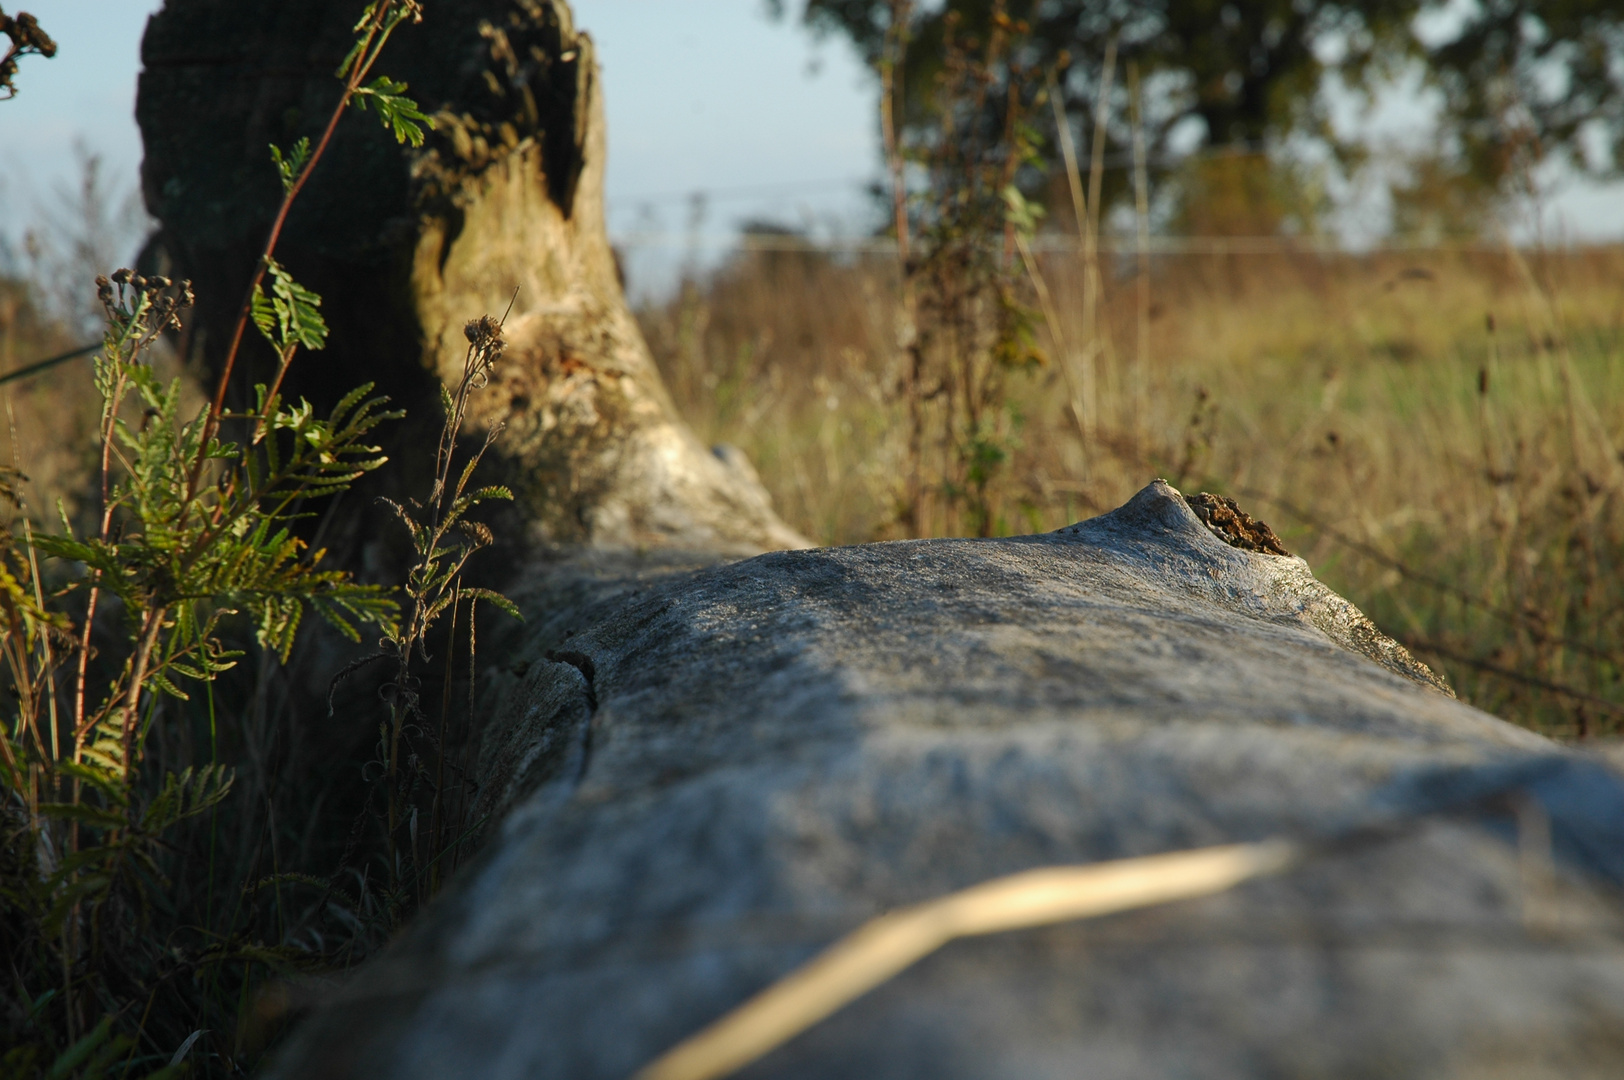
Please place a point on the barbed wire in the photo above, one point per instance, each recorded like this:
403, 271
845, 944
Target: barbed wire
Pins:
1057, 244
1113, 161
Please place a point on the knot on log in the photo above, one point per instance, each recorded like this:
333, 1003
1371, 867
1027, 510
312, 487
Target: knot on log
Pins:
1233, 525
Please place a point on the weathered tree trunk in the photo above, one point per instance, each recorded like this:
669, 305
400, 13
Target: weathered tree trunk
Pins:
699, 778
408, 245
720, 775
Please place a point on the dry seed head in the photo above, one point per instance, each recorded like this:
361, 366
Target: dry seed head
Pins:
478, 532
25, 33
483, 332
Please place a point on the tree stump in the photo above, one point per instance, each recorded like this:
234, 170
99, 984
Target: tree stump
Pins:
407, 245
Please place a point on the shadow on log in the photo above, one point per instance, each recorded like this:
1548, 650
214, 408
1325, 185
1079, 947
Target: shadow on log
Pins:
698, 776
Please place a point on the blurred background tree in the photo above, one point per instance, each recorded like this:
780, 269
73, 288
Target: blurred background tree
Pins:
1233, 91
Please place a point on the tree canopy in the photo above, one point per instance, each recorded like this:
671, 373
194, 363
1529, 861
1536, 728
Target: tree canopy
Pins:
1517, 80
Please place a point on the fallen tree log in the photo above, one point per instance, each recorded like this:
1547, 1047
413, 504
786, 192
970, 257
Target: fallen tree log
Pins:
699, 773
717, 775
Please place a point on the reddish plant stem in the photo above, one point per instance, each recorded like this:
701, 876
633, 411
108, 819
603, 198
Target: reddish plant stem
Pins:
95, 590
270, 397
218, 405
363, 64
152, 624
81, 671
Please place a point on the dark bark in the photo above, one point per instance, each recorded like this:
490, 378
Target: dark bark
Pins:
406, 245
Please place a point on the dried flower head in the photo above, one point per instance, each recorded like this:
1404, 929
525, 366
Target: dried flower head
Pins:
485, 347
483, 332
148, 306
26, 38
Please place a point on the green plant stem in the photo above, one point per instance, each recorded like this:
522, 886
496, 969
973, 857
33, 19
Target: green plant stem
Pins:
439, 778
396, 718
109, 418
71, 942
109, 423
270, 395
467, 723
371, 47
45, 641
48, 663
135, 1043
152, 624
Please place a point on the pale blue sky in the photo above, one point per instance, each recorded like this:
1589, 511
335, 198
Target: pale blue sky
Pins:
86, 93
703, 95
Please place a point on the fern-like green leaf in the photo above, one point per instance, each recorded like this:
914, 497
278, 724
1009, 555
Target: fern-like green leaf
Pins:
399, 113
296, 309
263, 312
186, 794
97, 778
161, 681
496, 600
289, 166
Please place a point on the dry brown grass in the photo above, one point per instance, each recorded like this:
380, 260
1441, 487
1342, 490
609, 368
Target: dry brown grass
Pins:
50, 432
1460, 483
1337, 397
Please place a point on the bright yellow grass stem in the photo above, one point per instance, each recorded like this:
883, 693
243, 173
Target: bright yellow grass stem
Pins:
884, 947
